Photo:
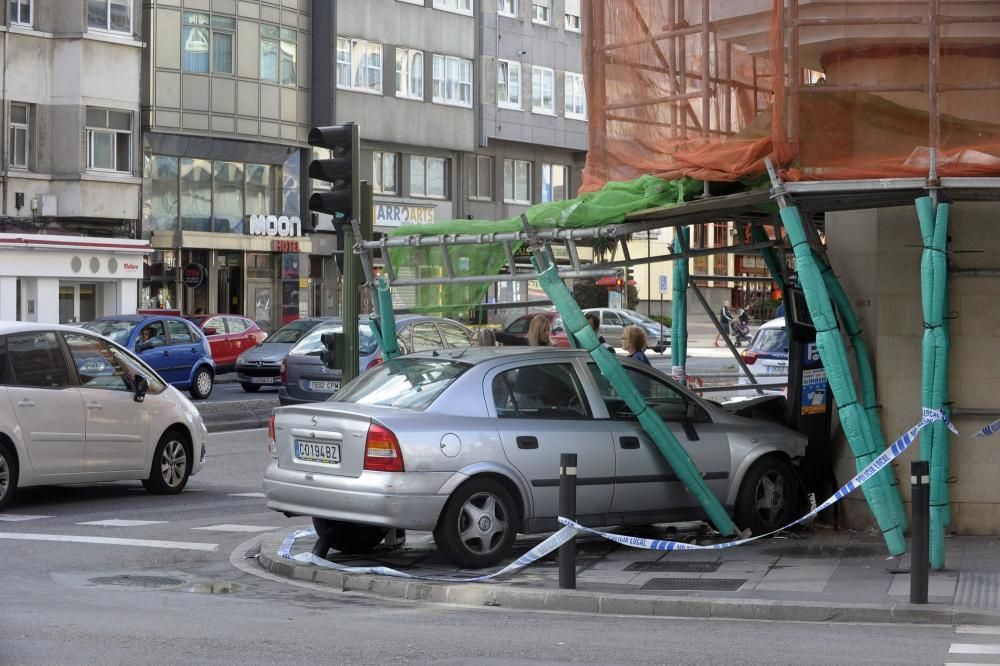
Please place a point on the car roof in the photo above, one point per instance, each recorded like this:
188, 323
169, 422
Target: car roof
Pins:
774, 323
7, 327
476, 355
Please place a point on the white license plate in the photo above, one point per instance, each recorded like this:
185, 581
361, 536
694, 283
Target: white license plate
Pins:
317, 452
263, 380
777, 369
325, 385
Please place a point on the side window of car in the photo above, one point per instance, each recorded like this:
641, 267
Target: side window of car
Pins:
425, 337
218, 323
4, 371
403, 341
236, 325
151, 336
95, 365
180, 334
610, 319
664, 399
37, 360
540, 391
520, 325
133, 367
453, 335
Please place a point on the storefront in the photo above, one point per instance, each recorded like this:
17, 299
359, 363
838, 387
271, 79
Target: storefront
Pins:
68, 279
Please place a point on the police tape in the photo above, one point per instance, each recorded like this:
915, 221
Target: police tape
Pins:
989, 429
929, 416
571, 528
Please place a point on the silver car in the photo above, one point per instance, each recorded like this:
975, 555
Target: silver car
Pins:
467, 443
614, 321
304, 377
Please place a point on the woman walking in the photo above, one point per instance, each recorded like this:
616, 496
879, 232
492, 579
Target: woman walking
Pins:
725, 320
634, 342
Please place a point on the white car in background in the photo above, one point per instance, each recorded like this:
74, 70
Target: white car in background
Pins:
767, 354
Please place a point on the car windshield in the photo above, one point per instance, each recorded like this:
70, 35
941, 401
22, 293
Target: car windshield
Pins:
639, 318
312, 343
116, 330
291, 333
772, 340
411, 383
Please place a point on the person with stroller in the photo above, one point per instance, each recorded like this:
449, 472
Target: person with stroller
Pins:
725, 319
741, 327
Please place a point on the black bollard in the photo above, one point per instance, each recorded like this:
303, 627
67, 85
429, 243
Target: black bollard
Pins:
920, 500
567, 509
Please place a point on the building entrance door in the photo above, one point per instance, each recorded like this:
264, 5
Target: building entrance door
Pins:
230, 266
77, 302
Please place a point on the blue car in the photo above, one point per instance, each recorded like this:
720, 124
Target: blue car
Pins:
172, 346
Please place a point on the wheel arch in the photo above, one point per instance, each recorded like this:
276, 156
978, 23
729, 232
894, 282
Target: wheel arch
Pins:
757, 455
9, 443
514, 485
185, 434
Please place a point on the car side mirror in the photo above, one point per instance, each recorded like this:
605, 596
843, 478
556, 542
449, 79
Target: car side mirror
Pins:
141, 388
211, 330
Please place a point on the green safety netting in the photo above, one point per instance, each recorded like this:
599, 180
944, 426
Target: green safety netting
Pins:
610, 205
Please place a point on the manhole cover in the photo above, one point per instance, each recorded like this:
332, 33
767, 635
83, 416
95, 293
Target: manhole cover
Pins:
703, 584
675, 567
137, 581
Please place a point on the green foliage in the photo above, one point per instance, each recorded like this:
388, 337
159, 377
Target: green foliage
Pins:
666, 320
589, 295
631, 297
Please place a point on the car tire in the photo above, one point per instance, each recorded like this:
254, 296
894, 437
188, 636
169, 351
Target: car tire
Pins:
8, 475
203, 383
250, 388
171, 466
464, 537
769, 496
350, 538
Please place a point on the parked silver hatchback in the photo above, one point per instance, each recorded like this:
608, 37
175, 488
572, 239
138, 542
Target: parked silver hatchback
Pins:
466, 443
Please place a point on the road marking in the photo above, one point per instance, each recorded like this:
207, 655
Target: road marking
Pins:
973, 648
144, 543
976, 629
236, 528
14, 518
114, 522
247, 495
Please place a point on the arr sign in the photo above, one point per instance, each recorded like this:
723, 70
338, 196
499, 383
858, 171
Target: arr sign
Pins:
275, 225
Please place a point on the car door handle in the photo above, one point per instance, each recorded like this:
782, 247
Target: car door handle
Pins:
527, 442
94, 405
24, 402
166, 353
628, 442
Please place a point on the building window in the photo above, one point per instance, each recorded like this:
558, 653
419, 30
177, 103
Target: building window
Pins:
409, 74
20, 12
573, 21
541, 11
458, 6
227, 209
576, 97
207, 45
543, 90
507, 8
109, 140
196, 195
159, 190
509, 84
452, 81
19, 138
555, 178
384, 172
277, 54
481, 178
110, 15
359, 65
517, 181
259, 192
427, 176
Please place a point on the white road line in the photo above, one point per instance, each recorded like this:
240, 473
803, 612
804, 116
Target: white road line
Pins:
144, 543
15, 518
115, 522
247, 495
970, 663
236, 528
974, 648
976, 629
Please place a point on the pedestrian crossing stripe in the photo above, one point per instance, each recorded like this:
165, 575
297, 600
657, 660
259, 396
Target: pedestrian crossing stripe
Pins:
15, 518
237, 528
974, 648
108, 541
115, 522
261, 495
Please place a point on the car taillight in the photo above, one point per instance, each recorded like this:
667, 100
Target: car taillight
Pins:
284, 370
272, 444
382, 452
749, 357
373, 363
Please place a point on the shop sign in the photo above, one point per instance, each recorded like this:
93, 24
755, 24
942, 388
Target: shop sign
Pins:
193, 275
395, 215
275, 225
285, 246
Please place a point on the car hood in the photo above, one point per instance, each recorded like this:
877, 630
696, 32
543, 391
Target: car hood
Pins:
269, 352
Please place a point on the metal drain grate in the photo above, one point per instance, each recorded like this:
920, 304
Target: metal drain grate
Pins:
675, 567
978, 590
701, 584
137, 581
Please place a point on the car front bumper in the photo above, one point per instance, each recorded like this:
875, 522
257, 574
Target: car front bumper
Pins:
405, 500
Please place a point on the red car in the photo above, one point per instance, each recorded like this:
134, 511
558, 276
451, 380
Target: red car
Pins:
557, 336
228, 336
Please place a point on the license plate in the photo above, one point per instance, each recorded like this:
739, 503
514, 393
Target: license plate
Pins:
325, 385
317, 452
777, 370
263, 380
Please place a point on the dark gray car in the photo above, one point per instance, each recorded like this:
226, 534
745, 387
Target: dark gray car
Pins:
261, 365
307, 379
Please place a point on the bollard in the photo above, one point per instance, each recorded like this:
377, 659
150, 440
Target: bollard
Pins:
567, 509
920, 500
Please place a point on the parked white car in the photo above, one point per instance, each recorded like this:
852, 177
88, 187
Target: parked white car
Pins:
767, 354
78, 408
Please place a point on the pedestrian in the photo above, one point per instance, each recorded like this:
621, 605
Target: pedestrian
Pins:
634, 342
538, 334
486, 338
780, 310
595, 324
725, 320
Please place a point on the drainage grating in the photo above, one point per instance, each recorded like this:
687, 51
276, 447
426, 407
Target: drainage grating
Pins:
701, 584
978, 590
137, 581
675, 567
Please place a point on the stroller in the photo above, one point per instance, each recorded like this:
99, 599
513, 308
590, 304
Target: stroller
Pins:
739, 327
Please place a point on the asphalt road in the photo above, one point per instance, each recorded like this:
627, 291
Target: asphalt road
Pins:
80, 585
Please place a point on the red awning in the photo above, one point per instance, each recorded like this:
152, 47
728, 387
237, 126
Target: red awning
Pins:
609, 281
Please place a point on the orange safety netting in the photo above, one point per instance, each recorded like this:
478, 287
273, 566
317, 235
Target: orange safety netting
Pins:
829, 91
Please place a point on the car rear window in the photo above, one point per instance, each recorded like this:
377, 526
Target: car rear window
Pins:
410, 383
292, 332
771, 340
117, 331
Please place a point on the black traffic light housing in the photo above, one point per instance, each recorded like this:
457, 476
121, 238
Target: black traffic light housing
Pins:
332, 355
340, 170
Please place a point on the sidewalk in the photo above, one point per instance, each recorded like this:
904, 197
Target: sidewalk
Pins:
816, 575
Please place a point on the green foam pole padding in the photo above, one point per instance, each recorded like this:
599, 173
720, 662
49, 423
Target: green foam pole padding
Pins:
651, 422
390, 348
834, 357
869, 394
678, 313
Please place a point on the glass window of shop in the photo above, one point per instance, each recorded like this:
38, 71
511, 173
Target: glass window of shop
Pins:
160, 205
259, 190
159, 286
196, 195
228, 197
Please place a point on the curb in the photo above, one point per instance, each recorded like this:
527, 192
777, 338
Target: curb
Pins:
603, 603
237, 414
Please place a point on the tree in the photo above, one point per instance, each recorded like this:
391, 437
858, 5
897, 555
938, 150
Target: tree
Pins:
589, 295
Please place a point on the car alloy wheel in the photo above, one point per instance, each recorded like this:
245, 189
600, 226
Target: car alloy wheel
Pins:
768, 497
171, 465
482, 523
478, 524
8, 476
201, 388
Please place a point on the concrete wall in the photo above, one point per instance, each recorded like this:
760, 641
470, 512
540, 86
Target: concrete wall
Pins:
877, 256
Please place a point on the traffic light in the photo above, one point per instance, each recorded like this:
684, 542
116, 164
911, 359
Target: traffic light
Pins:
331, 355
340, 170
619, 280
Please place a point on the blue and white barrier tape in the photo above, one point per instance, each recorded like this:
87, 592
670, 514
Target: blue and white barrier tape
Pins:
989, 429
571, 528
